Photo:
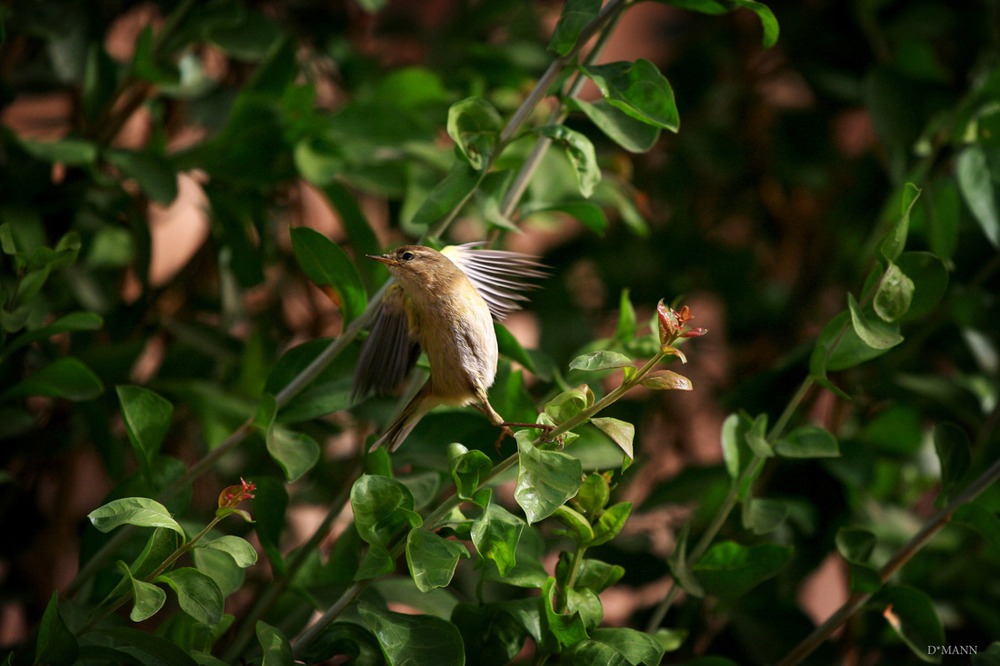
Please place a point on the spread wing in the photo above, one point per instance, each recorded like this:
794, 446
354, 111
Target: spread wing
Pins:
498, 275
389, 353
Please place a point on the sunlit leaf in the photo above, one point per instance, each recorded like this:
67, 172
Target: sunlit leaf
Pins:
474, 125
575, 16
414, 639
545, 479
639, 90
138, 511
580, 152
432, 559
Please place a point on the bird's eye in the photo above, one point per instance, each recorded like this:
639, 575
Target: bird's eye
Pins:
407, 256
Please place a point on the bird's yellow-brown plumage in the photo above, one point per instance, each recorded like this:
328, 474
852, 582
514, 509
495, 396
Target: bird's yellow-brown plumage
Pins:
447, 312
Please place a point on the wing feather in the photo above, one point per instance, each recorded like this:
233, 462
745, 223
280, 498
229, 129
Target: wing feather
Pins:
498, 275
389, 353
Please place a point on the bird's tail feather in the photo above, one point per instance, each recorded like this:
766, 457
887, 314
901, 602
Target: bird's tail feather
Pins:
397, 431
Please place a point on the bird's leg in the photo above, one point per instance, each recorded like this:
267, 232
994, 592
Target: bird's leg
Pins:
505, 426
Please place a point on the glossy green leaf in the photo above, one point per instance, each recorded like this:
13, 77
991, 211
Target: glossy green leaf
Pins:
575, 16
274, 645
569, 403
496, 534
147, 599
955, 454
593, 494
621, 433
600, 360
296, 452
910, 612
138, 511
474, 125
147, 418
432, 559
145, 648
415, 640
590, 653
874, 333
894, 294
637, 647
729, 570
198, 595
468, 471
328, 265
65, 377
382, 508
844, 348
236, 547
611, 523
221, 568
566, 628
580, 152
56, 643
578, 526
545, 479
808, 441
633, 135
597, 575
492, 635
892, 245
639, 90
978, 188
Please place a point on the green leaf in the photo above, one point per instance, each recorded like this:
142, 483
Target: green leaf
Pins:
545, 479
236, 547
468, 471
432, 559
567, 628
610, 523
221, 568
954, 452
66, 378
496, 534
982, 520
296, 452
593, 494
731, 445
414, 640
639, 90
591, 653
844, 348
637, 647
600, 360
147, 599
70, 323
137, 511
474, 125
874, 333
493, 636
580, 152
154, 173
625, 328
145, 648
588, 214
198, 595
930, 280
270, 503
383, 507
451, 193
976, 182
894, 294
597, 575
56, 643
579, 527
729, 570
631, 134
147, 418
894, 242
765, 515
808, 441
911, 614
569, 403
667, 380
621, 433
989, 657
71, 152
328, 265
855, 544
576, 15
275, 646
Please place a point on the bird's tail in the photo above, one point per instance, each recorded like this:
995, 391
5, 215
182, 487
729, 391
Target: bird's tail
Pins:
397, 431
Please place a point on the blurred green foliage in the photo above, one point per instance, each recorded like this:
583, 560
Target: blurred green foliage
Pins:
826, 201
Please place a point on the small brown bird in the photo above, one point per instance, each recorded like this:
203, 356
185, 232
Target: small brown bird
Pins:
442, 303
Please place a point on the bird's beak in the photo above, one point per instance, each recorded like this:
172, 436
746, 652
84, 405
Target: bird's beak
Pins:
383, 259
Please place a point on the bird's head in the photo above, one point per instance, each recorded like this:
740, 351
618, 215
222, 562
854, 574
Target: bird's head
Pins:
417, 264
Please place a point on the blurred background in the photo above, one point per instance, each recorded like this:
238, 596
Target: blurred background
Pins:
181, 164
